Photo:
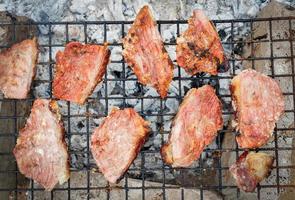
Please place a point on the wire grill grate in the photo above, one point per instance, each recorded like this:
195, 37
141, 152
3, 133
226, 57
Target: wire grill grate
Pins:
144, 168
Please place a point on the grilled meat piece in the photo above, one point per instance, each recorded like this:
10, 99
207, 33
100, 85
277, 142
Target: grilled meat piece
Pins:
78, 70
144, 52
258, 102
18, 68
41, 151
195, 126
117, 141
199, 48
250, 169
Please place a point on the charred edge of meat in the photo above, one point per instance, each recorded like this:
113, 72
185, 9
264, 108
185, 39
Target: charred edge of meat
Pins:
53, 106
37, 57
145, 18
166, 153
242, 157
224, 66
235, 107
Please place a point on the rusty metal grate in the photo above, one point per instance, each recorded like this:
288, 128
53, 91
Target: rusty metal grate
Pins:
221, 184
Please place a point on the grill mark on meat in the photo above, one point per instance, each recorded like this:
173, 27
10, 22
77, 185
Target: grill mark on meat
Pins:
145, 53
199, 48
195, 126
258, 103
117, 141
18, 68
79, 69
41, 151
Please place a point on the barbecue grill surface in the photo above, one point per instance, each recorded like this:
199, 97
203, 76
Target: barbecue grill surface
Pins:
144, 169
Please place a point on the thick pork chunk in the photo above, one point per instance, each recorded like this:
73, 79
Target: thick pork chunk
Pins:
117, 141
199, 48
79, 68
258, 102
145, 53
250, 169
41, 151
195, 126
18, 68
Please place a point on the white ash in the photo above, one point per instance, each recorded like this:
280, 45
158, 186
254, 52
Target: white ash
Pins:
116, 54
37, 10
96, 107
41, 90
172, 104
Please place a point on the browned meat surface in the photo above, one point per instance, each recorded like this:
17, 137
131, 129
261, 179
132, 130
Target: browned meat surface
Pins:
41, 151
258, 102
145, 53
250, 169
78, 70
17, 68
199, 48
117, 141
195, 126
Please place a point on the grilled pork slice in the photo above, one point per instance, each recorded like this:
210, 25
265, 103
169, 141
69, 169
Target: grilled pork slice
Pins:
18, 68
199, 48
144, 52
41, 151
195, 126
117, 141
250, 169
78, 70
258, 102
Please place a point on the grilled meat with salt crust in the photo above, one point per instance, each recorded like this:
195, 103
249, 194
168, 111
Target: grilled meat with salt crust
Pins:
250, 169
117, 141
195, 126
18, 68
78, 70
144, 52
199, 48
258, 102
41, 151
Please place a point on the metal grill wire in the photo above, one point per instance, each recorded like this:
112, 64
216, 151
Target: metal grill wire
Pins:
222, 185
